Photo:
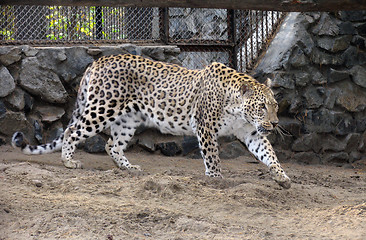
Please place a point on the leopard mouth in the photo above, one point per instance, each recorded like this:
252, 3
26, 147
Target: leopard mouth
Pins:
263, 131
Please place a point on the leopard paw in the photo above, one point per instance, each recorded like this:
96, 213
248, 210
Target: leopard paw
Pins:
72, 164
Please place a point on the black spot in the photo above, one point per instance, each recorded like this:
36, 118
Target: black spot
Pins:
101, 110
110, 113
136, 107
254, 133
112, 104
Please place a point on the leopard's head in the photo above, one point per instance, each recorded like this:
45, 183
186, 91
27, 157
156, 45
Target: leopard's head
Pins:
259, 106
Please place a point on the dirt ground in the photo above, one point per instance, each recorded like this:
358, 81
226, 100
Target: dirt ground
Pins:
172, 199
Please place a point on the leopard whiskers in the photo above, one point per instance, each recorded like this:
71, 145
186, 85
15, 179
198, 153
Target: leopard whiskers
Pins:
282, 132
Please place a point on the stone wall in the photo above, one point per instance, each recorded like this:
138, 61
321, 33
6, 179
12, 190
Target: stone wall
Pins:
318, 65
317, 62
39, 85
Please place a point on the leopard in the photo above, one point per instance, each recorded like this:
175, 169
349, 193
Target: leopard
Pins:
123, 92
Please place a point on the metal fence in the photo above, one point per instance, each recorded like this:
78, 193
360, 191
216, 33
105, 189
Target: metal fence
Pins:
234, 37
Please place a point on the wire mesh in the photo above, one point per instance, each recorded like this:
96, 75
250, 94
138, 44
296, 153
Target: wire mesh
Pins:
254, 30
60, 24
199, 57
197, 24
234, 37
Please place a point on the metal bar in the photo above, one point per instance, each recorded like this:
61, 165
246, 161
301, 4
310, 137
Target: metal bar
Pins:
232, 38
272, 5
164, 25
98, 23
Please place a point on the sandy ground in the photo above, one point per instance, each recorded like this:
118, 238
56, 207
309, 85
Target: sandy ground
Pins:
172, 199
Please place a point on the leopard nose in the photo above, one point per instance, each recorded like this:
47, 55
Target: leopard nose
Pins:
274, 123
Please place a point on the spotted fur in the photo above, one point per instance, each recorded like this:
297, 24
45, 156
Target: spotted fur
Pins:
124, 91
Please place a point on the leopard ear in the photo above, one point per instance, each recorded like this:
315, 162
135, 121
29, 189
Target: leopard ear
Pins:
268, 82
246, 89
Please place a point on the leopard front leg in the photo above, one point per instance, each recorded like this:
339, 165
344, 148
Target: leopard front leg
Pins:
210, 153
262, 149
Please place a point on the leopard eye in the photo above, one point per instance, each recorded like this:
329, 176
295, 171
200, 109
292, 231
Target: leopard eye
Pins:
263, 106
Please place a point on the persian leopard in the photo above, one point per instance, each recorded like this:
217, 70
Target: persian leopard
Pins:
124, 91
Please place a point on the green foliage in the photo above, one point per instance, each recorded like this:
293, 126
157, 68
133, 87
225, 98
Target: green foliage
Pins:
64, 23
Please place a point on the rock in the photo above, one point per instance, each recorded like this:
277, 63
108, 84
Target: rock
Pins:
120, 49
37, 131
298, 58
41, 82
307, 142
352, 142
323, 58
360, 122
327, 26
307, 158
2, 109
296, 105
29, 51
68, 63
77, 61
318, 143
346, 28
233, 150
359, 75
334, 44
155, 53
95, 144
312, 17
338, 158
169, 148
313, 97
330, 98
336, 75
351, 97
2, 141
11, 122
352, 16
362, 145
361, 29
283, 104
147, 142
189, 144
49, 113
331, 143
6, 82
196, 154
352, 56
94, 51
283, 80
10, 55
354, 156
16, 99
305, 41
302, 79
359, 42
345, 126
28, 102
37, 183
290, 126
317, 77
323, 120
54, 133
281, 140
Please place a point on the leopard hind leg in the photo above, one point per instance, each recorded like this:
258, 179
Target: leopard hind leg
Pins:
122, 132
